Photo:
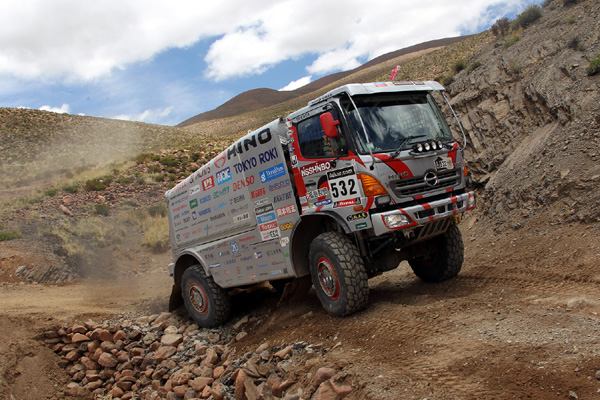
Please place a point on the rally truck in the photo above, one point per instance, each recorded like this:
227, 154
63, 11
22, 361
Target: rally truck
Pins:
363, 178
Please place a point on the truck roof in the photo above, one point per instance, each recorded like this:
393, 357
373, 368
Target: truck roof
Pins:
379, 87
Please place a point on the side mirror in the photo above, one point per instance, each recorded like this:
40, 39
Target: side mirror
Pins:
329, 125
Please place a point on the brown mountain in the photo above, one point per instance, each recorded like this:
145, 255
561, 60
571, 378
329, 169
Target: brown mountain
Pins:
260, 98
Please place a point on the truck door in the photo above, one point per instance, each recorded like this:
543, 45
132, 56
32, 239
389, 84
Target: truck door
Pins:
322, 168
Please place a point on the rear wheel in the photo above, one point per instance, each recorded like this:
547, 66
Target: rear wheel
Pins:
338, 274
206, 302
445, 259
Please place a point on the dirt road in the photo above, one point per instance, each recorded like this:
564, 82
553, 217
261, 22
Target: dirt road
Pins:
520, 321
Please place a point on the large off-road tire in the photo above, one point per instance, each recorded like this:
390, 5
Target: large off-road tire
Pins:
445, 259
338, 274
206, 302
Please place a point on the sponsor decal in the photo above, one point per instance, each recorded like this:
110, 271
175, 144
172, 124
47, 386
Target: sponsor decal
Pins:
264, 209
315, 194
282, 197
229, 262
322, 203
220, 160
442, 163
221, 192
276, 272
315, 168
279, 185
193, 190
261, 202
355, 217
271, 253
223, 176
241, 217
219, 206
242, 183
205, 199
286, 254
234, 248
237, 199
202, 172
258, 255
247, 238
274, 172
246, 258
362, 225
204, 212
193, 203
181, 207
287, 226
346, 203
262, 219
224, 253
208, 183
186, 220
217, 265
258, 193
287, 210
218, 216
269, 231
284, 241
340, 173
268, 155
245, 165
244, 144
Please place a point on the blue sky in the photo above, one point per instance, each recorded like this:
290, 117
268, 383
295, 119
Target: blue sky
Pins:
164, 62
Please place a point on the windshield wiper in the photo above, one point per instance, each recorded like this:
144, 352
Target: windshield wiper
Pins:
403, 142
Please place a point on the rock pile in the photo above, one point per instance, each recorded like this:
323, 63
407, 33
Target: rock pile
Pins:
167, 357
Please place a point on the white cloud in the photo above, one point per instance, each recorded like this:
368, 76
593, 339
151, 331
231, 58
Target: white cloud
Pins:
297, 83
82, 40
64, 109
150, 116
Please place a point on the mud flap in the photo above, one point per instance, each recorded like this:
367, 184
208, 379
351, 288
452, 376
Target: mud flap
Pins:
175, 301
296, 290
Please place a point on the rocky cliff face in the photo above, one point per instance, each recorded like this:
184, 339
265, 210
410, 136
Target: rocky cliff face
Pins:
532, 117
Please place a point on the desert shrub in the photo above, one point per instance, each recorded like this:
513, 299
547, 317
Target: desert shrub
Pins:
141, 180
529, 16
154, 169
473, 66
95, 184
172, 177
8, 234
51, 192
459, 65
101, 209
125, 180
74, 188
168, 161
172, 170
569, 2
547, 3
575, 44
594, 66
447, 80
501, 27
143, 158
158, 178
158, 210
513, 39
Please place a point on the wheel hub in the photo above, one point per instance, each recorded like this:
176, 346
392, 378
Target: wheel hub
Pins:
198, 298
328, 279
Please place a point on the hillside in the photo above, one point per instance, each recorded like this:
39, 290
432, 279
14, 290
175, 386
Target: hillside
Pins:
261, 98
85, 251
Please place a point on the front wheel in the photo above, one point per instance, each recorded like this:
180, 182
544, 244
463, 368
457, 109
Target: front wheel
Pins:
338, 274
206, 302
445, 259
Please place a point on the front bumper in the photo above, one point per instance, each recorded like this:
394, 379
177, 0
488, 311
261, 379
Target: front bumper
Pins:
422, 214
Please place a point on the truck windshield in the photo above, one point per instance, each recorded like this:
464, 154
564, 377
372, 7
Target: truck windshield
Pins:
390, 118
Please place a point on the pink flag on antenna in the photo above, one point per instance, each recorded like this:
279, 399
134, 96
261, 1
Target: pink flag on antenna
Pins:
394, 71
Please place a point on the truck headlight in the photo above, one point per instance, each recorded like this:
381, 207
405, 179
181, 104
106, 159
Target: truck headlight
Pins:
471, 202
395, 221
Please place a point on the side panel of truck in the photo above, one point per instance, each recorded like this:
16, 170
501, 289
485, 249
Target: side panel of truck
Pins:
236, 213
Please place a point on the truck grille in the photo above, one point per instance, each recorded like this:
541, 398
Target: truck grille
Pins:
417, 185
